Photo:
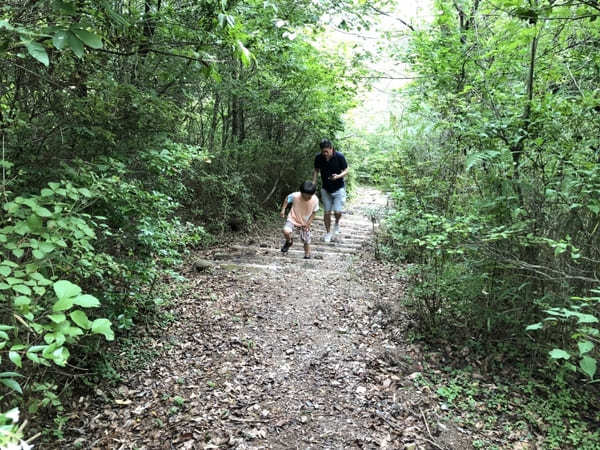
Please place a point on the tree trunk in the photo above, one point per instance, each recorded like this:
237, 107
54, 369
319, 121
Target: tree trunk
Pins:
213, 123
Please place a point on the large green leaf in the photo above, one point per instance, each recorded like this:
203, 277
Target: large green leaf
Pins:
63, 304
4, 24
11, 384
22, 289
38, 51
42, 212
585, 347
57, 318
588, 366
60, 356
81, 319
88, 38
15, 357
34, 222
86, 301
64, 288
75, 44
102, 326
22, 300
586, 318
557, 353
60, 41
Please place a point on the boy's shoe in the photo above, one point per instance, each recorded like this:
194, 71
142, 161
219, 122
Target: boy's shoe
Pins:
327, 237
286, 246
307, 256
336, 228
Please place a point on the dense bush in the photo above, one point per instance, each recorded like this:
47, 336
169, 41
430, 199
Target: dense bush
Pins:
130, 134
494, 169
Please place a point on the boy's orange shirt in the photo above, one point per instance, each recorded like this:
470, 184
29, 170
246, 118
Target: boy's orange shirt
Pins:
301, 209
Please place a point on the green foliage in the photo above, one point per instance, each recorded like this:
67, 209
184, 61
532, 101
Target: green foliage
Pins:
493, 168
131, 135
580, 322
43, 237
492, 163
11, 433
517, 409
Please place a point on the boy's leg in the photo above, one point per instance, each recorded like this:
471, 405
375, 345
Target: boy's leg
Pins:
288, 230
306, 237
306, 251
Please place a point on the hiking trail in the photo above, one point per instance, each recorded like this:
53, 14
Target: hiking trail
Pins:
271, 351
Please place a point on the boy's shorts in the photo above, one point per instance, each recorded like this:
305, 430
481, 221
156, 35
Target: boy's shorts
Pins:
333, 201
304, 235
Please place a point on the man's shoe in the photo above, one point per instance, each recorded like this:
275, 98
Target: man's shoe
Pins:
286, 246
327, 237
307, 256
336, 228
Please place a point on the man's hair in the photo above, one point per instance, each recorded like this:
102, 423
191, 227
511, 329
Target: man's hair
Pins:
325, 143
308, 187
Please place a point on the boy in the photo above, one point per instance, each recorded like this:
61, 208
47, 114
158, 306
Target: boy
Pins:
305, 205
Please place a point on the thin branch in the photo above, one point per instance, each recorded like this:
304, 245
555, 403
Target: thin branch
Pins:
47, 80
409, 26
160, 52
387, 78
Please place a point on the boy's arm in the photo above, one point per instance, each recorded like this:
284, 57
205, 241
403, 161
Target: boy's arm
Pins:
310, 219
285, 203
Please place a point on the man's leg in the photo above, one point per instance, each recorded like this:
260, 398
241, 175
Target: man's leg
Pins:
338, 216
339, 198
327, 200
327, 220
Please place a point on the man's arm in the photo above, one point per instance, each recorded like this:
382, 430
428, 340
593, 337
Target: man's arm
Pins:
342, 174
315, 173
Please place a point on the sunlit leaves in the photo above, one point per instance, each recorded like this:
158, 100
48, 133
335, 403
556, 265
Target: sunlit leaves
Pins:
88, 38
38, 51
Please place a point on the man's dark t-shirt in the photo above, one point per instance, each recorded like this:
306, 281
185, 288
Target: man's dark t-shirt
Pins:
335, 165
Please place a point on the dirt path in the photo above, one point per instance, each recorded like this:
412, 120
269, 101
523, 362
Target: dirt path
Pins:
271, 351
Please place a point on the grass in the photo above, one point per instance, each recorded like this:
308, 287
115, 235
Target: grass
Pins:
500, 412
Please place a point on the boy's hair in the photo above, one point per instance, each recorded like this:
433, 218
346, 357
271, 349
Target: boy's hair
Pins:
308, 187
325, 143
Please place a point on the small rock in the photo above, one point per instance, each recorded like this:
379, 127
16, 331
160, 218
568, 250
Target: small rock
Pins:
443, 428
413, 376
202, 265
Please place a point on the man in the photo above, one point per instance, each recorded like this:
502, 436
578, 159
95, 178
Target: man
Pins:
333, 168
